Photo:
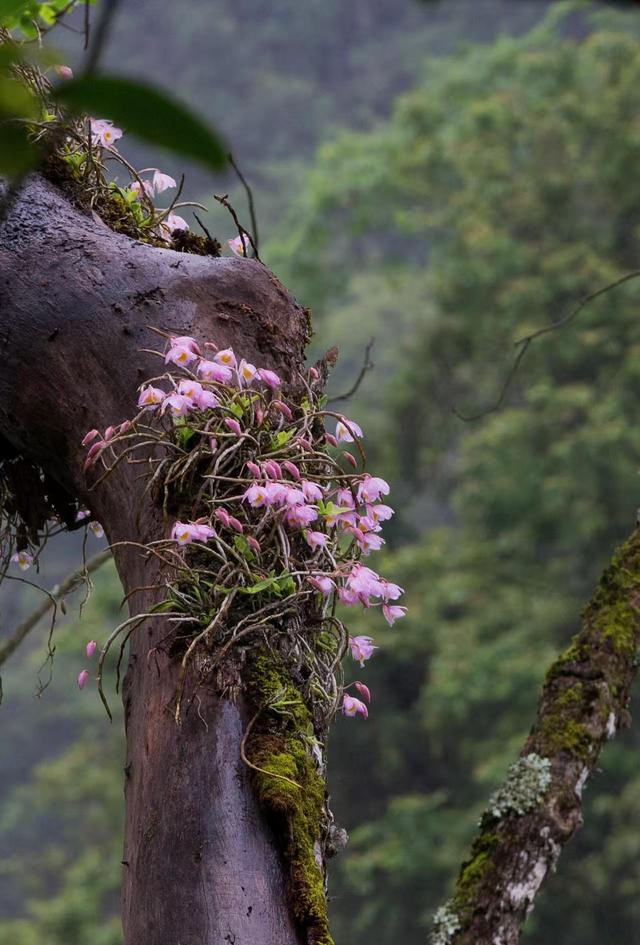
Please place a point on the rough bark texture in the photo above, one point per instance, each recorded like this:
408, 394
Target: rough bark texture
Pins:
584, 701
76, 302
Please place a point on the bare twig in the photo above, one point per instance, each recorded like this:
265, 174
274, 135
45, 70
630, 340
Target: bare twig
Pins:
245, 235
525, 342
367, 365
250, 200
56, 595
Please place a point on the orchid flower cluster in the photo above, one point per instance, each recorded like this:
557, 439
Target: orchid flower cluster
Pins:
275, 526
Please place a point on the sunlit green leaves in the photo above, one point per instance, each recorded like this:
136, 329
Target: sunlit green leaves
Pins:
145, 111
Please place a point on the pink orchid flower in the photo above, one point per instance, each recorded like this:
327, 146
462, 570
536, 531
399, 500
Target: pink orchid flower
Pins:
91, 648
97, 529
315, 539
311, 491
391, 591
392, 613
239, 247
270, 378
151, 397
181, 355
371, 488
256, 496
174, 222
352, 706
321, 583
347, 430
380, 513
301, 515
226, 357
178, 404
162, 182
211, 371
362, 648
184, 341
83, 677
103, 133
186, 532
23, 559
246, 372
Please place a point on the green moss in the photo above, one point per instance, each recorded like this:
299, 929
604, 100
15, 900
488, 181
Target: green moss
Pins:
473, 873
618, 623
559, 733
289, 787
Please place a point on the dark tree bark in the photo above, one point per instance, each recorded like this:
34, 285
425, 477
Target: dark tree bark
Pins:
76, 305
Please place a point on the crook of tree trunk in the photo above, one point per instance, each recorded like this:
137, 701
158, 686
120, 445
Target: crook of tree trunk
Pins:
77, 301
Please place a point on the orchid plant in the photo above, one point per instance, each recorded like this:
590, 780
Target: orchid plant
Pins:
275, 524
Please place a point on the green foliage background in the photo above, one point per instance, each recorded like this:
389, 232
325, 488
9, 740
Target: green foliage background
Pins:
472, 197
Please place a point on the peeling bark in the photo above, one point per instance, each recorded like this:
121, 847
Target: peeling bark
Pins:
201, 865
584, 701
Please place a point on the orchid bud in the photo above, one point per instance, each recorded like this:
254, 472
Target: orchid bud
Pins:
330, 439
64, 72
88, 437
233, 425
283, 408
125, 426
313, 374
108, 434
83, 676
254, 469
363, 690
350, 458
305, 444
292, 469
91, 648
213, 444
253, 543
259, 416
236, 524
223, 516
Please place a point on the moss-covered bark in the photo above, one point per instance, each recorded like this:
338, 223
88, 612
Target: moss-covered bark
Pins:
290, 786
584, 700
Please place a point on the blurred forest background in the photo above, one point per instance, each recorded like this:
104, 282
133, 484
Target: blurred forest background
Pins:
442, 177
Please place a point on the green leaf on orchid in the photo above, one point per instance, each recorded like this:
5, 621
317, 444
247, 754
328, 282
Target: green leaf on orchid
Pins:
281, 439
242, 545
145, 111
237, 410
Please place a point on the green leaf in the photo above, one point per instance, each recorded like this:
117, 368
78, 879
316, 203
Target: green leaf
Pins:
11, 10
281, 439
146, 112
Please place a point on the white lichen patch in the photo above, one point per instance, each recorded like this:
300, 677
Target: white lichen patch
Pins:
523, 893
524, 787
582, 780
446, 923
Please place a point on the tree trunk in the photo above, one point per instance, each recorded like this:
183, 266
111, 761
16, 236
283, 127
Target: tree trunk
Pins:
201, 865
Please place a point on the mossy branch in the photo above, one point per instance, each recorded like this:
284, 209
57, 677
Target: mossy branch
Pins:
536, 812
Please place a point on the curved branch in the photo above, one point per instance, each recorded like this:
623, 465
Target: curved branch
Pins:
529, 820
57, 594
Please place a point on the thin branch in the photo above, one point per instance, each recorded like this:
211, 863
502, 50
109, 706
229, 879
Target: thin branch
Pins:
367, 365
583, 703
56, 595
248, 191
525, 342
245, 235
100, 35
